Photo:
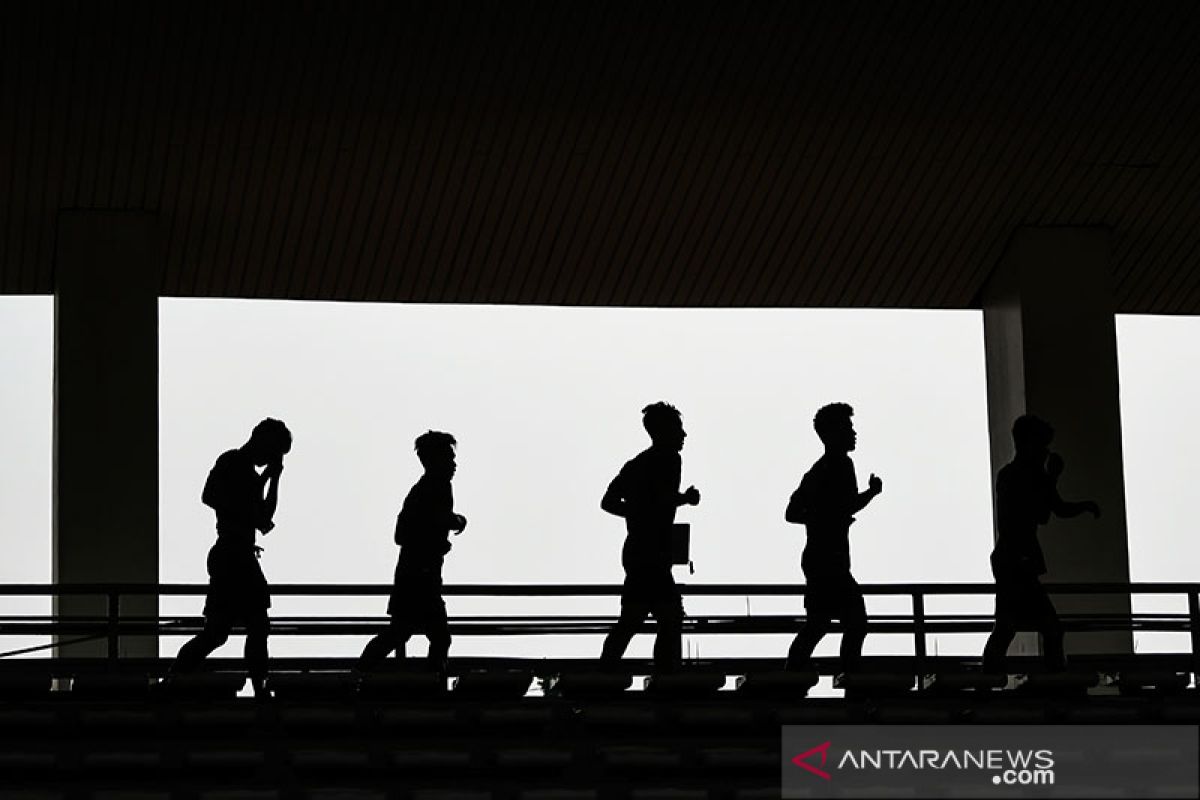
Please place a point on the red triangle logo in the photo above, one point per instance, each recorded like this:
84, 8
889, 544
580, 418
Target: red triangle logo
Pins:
802, 760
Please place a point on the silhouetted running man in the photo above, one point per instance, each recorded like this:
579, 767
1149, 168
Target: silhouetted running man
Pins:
826, 502
423, 530
645, 494
245, 502
1026, 496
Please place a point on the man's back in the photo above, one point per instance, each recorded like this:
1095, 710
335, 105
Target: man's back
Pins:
233, 491
649, 485
826, 496
423, 525
1024, 498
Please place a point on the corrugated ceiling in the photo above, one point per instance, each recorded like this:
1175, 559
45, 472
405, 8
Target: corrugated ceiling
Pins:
697, 153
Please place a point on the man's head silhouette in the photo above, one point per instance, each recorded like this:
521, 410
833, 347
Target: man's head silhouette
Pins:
1032, 435
435, 449
832, 424
665, 425
269, 442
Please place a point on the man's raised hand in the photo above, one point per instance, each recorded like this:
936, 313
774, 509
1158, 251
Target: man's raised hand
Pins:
875, 484
692, 496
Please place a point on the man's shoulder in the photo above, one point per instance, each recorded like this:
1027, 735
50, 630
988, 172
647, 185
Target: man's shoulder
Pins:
1015, 471
231, 459
427, 486
831, 462
640, 461
655, 458
814, 470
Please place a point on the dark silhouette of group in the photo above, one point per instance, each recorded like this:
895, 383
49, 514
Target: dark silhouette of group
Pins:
645, 493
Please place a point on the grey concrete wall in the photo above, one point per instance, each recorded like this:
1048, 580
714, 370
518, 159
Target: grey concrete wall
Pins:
105, 463
1051, 348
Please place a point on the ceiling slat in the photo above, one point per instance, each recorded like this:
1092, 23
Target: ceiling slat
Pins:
720, 280
710, 153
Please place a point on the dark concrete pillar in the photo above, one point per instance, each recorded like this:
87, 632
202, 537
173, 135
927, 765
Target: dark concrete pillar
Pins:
1050, 339
105, 509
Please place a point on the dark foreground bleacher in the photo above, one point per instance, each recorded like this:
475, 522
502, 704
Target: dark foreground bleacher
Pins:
486, 735
99, 725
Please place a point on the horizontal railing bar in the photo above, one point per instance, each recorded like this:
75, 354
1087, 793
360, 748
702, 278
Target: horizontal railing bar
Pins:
607, 619
589, 589
112, 625
128, 624
518, 628
67, 666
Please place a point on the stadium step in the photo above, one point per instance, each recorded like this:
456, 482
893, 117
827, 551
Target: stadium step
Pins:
111, 686
1139, 682
684, 684
781, 684
1059, 684
955, 682
200, 686
313, 685
580, 685
873, 684
25, 686
402, 685
493, 684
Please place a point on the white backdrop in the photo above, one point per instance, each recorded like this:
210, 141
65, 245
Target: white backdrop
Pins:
545, 404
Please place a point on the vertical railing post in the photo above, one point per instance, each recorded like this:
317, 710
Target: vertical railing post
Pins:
919, 650
114, 639
1194, 627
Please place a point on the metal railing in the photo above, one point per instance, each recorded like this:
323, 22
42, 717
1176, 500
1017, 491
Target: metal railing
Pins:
112, 625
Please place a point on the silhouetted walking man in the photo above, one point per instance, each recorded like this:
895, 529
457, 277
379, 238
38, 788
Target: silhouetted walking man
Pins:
826, 502
245, 502
1026, 496
423, 530
645, 494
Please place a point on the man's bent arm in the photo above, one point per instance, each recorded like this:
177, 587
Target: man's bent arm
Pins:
860, 501
797, 510
614, 501
269, 503
216, 489
1067, 509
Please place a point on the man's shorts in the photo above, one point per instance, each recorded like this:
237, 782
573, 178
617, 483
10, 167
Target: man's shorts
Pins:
418, 606
237, 588
1022, 601
651, 591
838, 597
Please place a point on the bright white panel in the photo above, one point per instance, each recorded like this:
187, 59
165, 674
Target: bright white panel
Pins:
546, 405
